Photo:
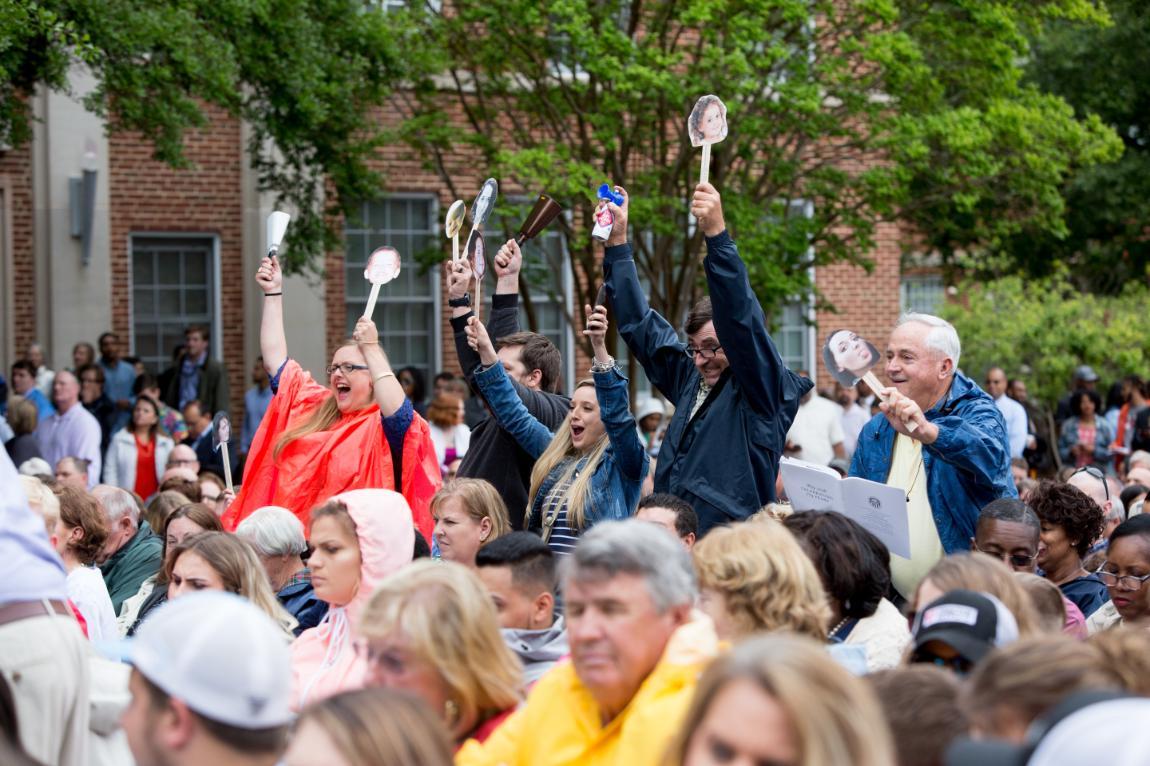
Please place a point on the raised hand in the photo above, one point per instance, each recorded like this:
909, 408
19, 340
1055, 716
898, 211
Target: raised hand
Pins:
269, 277
620, 212
458, 278
901, 411
597, 331
508, 261
480, 342
707, 206
365, 333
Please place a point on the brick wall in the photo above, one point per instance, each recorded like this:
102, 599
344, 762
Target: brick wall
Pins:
149, 196
16, 183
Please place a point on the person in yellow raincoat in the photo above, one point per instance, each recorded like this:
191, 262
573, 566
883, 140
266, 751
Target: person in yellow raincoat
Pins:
636, 653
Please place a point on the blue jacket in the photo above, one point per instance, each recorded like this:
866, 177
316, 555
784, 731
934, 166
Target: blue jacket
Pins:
300, 601
724, 461
618, 479
967, 467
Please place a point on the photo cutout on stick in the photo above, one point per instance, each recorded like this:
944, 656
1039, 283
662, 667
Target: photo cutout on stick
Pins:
484, 202
454, 220
221, 429
476, 252
382, 266
708, 121
849, 356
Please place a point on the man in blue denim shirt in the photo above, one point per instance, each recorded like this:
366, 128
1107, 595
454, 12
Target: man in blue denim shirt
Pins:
734, 397
940, 438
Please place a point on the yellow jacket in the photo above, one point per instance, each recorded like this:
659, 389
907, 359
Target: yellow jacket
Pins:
560, 722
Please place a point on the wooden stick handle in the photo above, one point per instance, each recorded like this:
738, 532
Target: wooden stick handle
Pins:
876, 386
371, 299
705, 168
227, 466
479, 299
455, 248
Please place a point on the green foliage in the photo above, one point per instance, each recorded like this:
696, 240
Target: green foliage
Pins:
840, 115
301, 73
1041, 329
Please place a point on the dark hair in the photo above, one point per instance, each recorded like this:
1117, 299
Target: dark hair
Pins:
853, 564
421, 550
699, 315
1010, 509
269, 741
418, 383
531, 561
922, 705
80, 510
145, 380
1070, 508
109, 334
199, 406
91, 368
538, 353
444, 376
1076, 402
197, 513
686, 521
202, 330
1135, 382
155, 427
24, 364
1114, 398
1134, 526
1129, 493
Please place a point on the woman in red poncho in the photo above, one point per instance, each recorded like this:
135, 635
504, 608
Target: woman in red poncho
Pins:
315, 442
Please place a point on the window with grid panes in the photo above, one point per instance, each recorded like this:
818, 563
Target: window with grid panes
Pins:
173, 286
922, 293
406, 312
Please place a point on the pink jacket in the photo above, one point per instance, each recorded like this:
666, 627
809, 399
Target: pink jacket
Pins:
324, 661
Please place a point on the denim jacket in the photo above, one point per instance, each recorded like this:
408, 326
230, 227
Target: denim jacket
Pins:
617, 480
967, 467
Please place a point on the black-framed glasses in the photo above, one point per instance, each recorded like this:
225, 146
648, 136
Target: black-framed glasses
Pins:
1125, 582
1090, 470
347, 368
1015, 559
706, 353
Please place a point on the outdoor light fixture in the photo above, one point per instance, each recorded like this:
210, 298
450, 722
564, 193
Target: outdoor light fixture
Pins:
82, 203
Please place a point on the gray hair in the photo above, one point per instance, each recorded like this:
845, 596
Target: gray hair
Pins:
942, 337
274, 531
638, 548
117, 503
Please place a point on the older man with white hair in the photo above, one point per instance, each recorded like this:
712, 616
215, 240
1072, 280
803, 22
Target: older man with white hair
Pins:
278, 538
636, 654
939, 438
132, 553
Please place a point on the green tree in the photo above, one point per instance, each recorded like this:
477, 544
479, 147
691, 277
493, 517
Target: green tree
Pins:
1041, 329
840, 114
301, 73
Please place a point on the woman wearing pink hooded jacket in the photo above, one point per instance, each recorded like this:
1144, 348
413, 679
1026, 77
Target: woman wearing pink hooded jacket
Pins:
360, 537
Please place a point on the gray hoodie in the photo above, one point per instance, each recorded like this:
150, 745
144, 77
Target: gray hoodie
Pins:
538, 650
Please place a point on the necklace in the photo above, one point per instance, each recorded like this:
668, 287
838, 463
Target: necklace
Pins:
917, 469
837, 628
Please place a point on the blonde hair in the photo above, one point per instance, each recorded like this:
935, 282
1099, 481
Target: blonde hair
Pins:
323, 418
445, 611
481, 500
561, 448
43, 501
161, 506
22, 415
1030, 677
768, 582
986, 574
1046, 597
381, 727
835, 717
238, 566
1125, 650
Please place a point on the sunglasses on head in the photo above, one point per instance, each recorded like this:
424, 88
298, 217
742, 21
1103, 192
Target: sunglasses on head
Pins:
1090, 470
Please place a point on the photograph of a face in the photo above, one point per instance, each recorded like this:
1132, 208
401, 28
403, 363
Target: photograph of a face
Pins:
382, 266
476, 251
221, 428
484, 202
454, 220
708, 121
848, 356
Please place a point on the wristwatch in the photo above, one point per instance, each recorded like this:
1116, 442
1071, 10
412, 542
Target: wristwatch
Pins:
604, 367
459, 303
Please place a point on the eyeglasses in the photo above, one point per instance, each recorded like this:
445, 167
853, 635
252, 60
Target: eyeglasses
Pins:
956, 664
178, 463
1125, 582
1015, 559
1090, 470
347, 368
706, 353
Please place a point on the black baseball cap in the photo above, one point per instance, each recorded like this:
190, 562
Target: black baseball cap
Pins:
969, 622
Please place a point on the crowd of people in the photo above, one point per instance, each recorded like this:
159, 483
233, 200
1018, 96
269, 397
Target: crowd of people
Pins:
559, 578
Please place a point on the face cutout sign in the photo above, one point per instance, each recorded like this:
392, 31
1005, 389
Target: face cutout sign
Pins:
484, 203
221, 435
453, 224
849, 357
382, 267
707, 125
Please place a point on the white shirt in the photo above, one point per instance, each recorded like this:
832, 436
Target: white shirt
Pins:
87, 591
884, 634
854, 418
1015, 416
908, 473
818, 427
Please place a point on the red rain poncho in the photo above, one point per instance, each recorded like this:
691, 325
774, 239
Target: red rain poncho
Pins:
352, 454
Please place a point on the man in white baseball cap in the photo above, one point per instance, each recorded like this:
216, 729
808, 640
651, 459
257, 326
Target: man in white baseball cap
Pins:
210, 684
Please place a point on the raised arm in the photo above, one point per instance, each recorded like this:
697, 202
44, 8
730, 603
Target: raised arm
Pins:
651, 338
612, 392
738, 317
504, 318
273, 342
493, 383
386, 390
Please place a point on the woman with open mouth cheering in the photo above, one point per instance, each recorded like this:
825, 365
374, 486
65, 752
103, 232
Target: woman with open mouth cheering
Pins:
593, 466
358, 432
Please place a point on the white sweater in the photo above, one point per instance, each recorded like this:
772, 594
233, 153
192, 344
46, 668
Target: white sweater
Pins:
120, 462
